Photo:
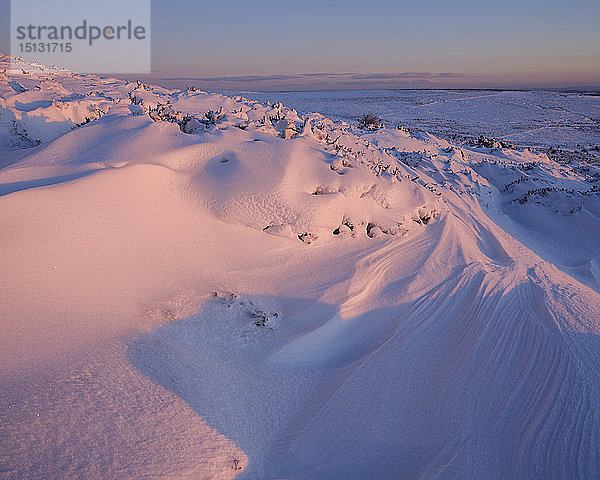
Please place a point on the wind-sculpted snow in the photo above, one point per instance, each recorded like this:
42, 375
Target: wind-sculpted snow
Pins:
469, 377
199, 286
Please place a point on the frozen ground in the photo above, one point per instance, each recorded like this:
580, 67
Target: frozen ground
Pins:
527, 118
200, 286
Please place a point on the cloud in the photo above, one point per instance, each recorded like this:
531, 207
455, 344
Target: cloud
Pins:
406, 75
337, 76
320, 81
239, 78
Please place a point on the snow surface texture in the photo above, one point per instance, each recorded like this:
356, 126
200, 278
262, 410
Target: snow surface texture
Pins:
198, 286
529, 118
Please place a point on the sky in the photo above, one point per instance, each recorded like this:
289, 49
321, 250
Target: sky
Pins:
310, 44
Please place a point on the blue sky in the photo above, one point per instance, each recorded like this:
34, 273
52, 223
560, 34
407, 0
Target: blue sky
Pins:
510, 43
376, 43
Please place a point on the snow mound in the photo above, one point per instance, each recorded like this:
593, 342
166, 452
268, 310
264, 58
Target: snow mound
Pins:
258, 165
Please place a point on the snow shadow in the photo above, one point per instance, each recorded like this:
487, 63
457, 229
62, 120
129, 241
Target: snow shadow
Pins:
217, 361
432, 385
12, 187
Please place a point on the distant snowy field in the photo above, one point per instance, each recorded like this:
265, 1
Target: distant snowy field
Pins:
526, 118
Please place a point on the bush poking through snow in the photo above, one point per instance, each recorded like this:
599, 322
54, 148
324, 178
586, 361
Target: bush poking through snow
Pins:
262, 318
486, 142
211, 117
370, 122
374, 231
307, 238
423, 216
21, 136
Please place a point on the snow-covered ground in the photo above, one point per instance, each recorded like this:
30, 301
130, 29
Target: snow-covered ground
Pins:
200, 286
535, 118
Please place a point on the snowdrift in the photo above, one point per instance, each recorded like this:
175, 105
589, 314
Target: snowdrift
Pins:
198, 286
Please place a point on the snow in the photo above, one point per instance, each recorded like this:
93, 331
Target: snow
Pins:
539, 118
201, 286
